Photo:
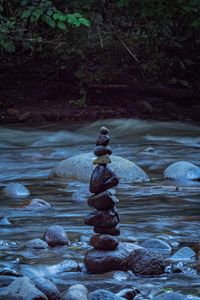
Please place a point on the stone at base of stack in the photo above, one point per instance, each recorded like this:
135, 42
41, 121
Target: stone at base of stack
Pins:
107, 255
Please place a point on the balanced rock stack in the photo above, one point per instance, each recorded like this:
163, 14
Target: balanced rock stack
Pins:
104, 218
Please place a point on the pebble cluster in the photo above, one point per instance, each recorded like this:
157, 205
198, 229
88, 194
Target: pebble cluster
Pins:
105, 217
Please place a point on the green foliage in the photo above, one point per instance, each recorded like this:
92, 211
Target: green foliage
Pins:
100, 37
24, 22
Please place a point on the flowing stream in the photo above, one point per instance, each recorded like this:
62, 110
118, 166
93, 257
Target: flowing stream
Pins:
158, 208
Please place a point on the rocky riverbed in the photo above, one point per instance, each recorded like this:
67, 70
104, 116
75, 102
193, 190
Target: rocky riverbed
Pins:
44, 239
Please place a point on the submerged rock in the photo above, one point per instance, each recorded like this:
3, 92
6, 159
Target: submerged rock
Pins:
36, 244
22, 288
47, 287
103, 295
99, 261
157, 245
75, 292
4, 221
16, 190
183, 254
182, 170
144, 262
67, 265
56, 236
80, 167
9, 272
81, 194
37, 204
171, 296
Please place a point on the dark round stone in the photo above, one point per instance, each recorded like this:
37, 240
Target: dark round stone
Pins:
112, 230
105, 218
99, 261
145, 262
102, 140
102, 179
104, 242
102, 201
102, 150
104, 130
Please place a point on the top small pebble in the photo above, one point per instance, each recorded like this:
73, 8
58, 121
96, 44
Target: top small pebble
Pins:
104, 130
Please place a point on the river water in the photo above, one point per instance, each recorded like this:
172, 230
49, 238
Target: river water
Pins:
147, 210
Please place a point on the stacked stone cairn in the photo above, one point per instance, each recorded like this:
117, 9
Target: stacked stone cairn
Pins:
104, 218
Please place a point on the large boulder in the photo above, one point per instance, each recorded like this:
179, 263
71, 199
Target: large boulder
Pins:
182, 170
22, 289
80, 167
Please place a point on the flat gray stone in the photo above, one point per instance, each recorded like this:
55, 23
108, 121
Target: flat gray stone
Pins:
182, 170
80, 167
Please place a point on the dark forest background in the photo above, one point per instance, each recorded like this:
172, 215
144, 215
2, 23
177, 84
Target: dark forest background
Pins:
99, 44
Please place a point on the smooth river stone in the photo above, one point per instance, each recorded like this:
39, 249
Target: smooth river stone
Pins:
102, 160
104, 242
105, 218
112, 230
103, 201
182, 170
104, 130
99, 261
102, 179
102, 140
102, 150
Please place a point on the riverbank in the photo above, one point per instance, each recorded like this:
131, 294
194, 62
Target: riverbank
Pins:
34, 96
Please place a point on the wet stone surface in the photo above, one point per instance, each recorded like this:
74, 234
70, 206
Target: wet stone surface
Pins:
102, 150
103, 218
103, 201
144, 262
103, 178
103, 242
108, 230
98, 261
102, 140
